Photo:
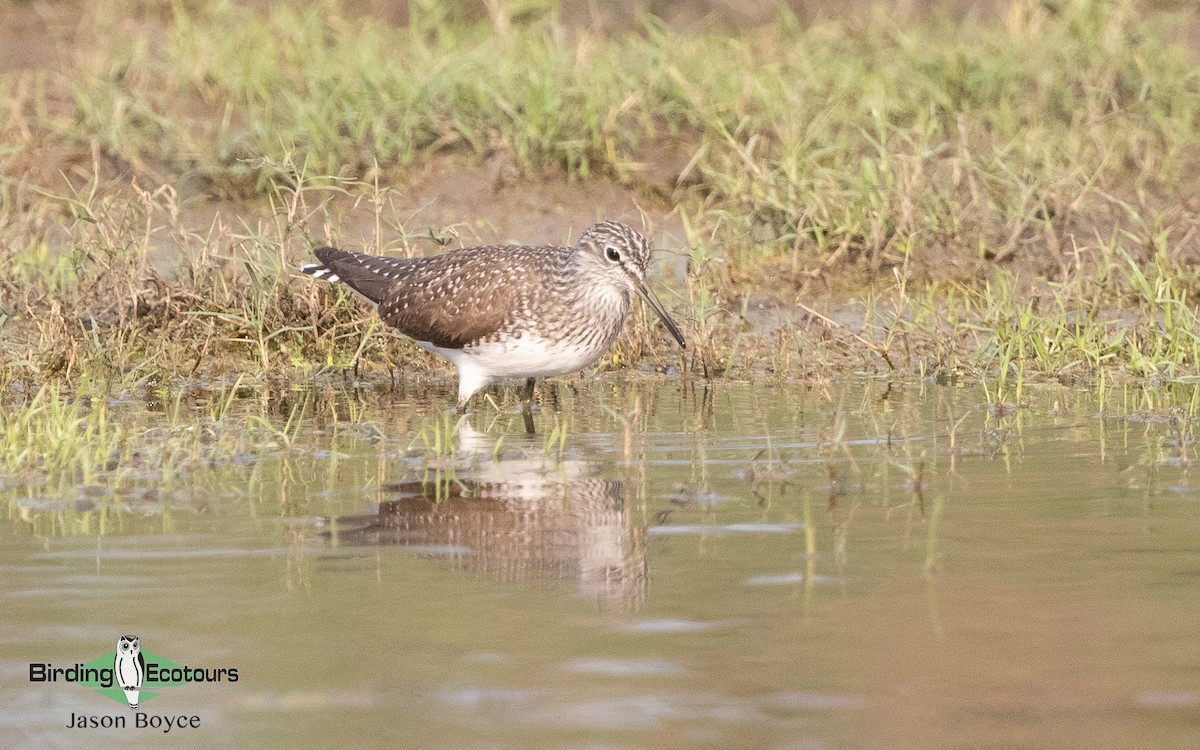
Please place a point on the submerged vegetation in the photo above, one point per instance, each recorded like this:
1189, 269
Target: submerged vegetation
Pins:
83, 457
998, 198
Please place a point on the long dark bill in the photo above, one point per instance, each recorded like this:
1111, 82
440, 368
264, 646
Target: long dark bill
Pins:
658, 308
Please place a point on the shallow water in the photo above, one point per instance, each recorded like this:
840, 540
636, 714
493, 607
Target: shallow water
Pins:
743, 566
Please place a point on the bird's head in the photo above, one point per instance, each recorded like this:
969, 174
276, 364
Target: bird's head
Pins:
622, 254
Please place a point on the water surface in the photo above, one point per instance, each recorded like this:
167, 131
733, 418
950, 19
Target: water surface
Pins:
768, 566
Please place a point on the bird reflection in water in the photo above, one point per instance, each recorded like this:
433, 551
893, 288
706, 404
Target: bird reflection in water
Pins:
517, 519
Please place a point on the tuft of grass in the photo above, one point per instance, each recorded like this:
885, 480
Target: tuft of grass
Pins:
57, 437
439, 438
53, 436
556, 440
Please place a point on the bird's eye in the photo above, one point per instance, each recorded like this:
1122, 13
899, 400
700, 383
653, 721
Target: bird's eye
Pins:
612, 253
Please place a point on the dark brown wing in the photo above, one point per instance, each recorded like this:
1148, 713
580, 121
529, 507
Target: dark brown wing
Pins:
452, 299
456, 298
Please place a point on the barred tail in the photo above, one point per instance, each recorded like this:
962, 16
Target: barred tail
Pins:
319, 271
371, 277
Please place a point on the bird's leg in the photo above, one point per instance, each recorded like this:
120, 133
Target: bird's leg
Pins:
527, 406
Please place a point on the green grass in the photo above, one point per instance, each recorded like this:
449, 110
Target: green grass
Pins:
1000, 200
57, 437
861, 135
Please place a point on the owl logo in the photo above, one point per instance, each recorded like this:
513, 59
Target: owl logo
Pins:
130, 668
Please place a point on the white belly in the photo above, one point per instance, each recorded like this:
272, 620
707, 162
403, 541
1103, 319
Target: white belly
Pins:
526, 357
